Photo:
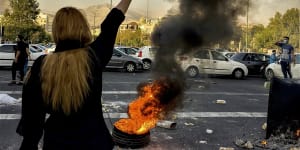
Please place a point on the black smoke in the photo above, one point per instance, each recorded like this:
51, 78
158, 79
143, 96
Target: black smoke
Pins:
198, 23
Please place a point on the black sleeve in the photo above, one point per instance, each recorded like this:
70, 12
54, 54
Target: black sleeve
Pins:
104, 43
33, 113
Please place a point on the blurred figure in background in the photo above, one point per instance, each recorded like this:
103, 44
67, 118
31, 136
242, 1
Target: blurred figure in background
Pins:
273, 57
21, 59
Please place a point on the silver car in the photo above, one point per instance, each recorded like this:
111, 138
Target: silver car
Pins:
120, 60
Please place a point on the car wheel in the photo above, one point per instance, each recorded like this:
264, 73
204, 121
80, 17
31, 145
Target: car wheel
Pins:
146, 64
238, 73
192, 72
130, 67
269, 74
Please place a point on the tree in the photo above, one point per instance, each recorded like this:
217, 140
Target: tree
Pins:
280, 25
21, 19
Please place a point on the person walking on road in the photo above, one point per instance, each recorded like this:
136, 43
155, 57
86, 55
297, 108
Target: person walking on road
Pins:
21, 57
286, 56
67, 85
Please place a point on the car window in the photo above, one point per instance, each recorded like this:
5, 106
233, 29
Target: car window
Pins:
218, 56
35, 49
128, 51
116, 53
239, 56
202, 54
7, 48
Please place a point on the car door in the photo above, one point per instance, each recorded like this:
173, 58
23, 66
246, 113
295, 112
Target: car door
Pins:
7, 55
116, 60
252, 62
203, 59
220, 63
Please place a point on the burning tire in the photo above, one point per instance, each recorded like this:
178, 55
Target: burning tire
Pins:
133, 141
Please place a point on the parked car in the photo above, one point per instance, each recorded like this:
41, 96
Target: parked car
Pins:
208, 61
127, 50
121, 60
274, 69
255, 62
7, 54
146, 54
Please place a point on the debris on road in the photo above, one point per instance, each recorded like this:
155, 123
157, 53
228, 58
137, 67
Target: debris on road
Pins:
244, 144
264, 126
267, 84
5, 99
220, 101
166, 124
188, 124
203, 142
209, 131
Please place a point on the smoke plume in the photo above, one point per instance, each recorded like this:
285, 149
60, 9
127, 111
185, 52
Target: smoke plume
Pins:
198, 23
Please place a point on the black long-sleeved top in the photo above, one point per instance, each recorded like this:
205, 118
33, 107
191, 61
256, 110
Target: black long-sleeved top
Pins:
84, 129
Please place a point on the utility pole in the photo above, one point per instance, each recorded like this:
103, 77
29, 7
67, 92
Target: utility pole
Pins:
147, 13
247, 28
299, 29
110, 4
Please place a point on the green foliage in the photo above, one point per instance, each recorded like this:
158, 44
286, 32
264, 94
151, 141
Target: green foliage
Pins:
21, 19
280, 25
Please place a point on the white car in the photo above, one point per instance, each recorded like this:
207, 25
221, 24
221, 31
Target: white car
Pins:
208, 61
146, 54
7, 54
274, 69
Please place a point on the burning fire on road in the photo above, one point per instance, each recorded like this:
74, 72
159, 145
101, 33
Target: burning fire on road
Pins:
154, 101
197, 23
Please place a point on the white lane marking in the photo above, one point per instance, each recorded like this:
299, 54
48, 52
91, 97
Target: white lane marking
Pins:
187, 92
178, 115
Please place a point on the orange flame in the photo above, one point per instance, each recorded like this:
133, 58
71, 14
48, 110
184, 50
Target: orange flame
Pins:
143, 112
264, 142
298, 133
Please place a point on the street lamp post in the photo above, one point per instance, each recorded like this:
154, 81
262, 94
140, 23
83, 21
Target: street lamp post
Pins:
147, 13
110, 4
247, 28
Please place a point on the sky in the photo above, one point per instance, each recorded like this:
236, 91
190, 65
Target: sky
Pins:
260, 12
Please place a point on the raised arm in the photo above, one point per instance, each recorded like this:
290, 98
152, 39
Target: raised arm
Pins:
123, 5
104, 43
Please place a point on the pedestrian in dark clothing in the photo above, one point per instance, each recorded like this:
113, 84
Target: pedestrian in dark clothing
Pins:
286, 56
67, 85
21, 58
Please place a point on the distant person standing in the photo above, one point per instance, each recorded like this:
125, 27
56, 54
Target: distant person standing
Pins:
286, 57
273, 57
21, 57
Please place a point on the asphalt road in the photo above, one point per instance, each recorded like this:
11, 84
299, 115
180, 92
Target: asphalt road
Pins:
240, 118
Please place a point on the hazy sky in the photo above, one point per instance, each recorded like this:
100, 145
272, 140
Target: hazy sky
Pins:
260, 12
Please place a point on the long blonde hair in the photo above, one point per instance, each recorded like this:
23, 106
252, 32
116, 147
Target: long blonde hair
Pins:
65, 74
